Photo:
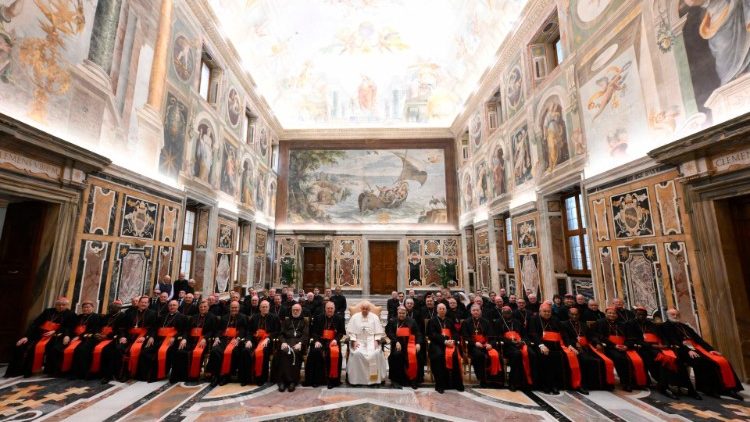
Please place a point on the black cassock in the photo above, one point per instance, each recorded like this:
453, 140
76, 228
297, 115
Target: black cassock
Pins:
602, 334
713, 373
480, 331
593, 366
106, 359
550, 369
138, 324
38, 350
645, 338
405, 332
227, 357
324, 366
188, 361
77, 355
263, 327
157, 359
445, 378
521, 357
294, 331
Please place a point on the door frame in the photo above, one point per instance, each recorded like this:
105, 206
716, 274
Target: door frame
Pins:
400, 260
326, 257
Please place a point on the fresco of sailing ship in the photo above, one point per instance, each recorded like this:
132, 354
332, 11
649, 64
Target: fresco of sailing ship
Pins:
395, 186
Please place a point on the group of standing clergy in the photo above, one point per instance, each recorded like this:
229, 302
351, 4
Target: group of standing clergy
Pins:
545, 346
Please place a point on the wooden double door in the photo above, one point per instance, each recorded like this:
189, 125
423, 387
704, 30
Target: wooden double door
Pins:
383, 267
314, 273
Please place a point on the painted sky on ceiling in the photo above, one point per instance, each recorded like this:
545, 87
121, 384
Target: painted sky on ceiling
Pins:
366, 63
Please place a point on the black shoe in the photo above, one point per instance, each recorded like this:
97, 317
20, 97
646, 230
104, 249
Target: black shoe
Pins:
314, 386
583, 391
667, 392
292, 386
330, 386
628, 389
555, 391
460, 388
396, 385
512, 388
695, 395
734, 395
414, 385
439, 390
106, 380
547, 391
482, 384
223, 380
214, 381
282, 387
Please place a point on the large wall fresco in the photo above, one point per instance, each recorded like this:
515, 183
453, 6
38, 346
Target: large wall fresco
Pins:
406, 186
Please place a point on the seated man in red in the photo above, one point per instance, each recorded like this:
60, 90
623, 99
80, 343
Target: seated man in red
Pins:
43, 344
201, 331
714, 374
406, 340
170, 336
77, 355
478, 334
324, 359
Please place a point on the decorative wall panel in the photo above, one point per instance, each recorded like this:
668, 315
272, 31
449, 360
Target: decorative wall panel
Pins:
347, 262
225, 246
426, 255
100, 211
528, 259
261, 238
669, 210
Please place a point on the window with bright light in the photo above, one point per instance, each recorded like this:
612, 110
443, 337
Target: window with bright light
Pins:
510, 254
576, 238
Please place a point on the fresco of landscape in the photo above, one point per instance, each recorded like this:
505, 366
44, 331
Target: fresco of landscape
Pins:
392, 186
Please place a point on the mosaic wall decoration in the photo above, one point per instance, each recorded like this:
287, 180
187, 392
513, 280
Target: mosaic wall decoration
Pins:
681, 281
426, 255
499, 226
631, 214
225, 247
170, 220
131, 274
483, 276
470, 257
669, 210
601, 221
608, 273
527, 254
138, 218
201, 228
639, 269
261, 239
100, 211
107, 263
93, 265
347, 262
225, 237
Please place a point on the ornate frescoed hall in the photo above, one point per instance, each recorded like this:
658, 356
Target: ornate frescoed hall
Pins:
395, 210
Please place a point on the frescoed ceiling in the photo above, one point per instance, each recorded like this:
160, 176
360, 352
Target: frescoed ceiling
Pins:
366, 63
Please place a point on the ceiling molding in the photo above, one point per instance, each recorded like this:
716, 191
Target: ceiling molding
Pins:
365, 133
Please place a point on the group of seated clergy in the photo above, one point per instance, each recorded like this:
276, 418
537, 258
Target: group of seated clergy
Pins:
545, 345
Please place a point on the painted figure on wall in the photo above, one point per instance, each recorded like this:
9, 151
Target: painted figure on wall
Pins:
483, 183
475, 128
229, 175
234, 107
183, 58
553, 131
7, 38
498, 171
521, 156
204, 151
260, 198
175, 122
272, 199
263, 141
366, 93
246, 189
467, 194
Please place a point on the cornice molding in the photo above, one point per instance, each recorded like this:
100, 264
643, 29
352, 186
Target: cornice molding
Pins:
365, 133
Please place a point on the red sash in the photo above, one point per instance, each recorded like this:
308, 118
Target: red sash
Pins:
411, 352
493, 354
450, 350
96, 359
197, 355
68, 355
665, 357
80, 329
42, 344
135, 350
161, 356
260, 335
575, 368
226, 363
514, 336
333, 354
583, 341
609, 366
727, 375
639, 368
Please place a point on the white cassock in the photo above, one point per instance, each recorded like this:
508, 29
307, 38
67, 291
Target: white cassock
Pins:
366, 364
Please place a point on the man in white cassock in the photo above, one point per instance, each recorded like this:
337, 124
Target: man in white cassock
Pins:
366, 363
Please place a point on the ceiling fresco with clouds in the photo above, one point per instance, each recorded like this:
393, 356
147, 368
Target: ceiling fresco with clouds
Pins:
366, 63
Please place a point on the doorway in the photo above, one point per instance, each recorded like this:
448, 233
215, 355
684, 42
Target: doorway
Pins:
314, 274
383, 267
733, 218
20, 243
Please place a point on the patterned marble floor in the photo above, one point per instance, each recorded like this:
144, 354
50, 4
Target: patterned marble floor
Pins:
59, 399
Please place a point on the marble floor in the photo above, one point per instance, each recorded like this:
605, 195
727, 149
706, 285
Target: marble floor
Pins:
51, 399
